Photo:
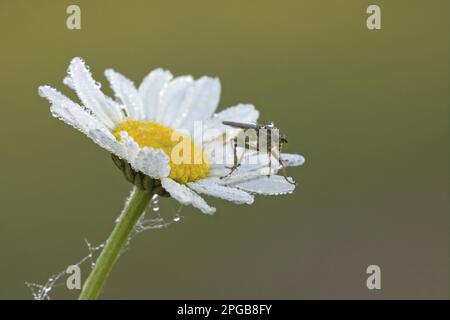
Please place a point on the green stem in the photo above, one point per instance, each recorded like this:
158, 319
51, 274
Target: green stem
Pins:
113, 246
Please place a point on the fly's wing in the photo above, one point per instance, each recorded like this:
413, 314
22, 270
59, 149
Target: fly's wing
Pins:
240, 125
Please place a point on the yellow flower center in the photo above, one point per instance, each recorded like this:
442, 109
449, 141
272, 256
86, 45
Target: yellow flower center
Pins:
187, 160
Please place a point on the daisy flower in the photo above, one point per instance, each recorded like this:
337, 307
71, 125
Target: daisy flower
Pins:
138, 126
149, 129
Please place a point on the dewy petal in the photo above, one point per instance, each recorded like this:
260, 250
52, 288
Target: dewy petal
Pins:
106, 140
211, 188
127, 93
152, 162
252, 162
68, 111
104, 108
185, 196
130, 148
272, 185
200, 105
292, 160
245, 113
68, 82
243, 172
259, 163
150, 89
172, 98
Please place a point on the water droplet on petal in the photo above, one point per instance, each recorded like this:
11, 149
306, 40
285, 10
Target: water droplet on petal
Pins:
155, 203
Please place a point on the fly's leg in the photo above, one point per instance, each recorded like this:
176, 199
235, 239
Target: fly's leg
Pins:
284, 171
268, 145
283, 167
270, 164
236, 163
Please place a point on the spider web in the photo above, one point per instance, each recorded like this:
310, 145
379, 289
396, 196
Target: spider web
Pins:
149, 220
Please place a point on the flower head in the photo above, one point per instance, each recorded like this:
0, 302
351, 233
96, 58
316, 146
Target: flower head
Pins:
152, 132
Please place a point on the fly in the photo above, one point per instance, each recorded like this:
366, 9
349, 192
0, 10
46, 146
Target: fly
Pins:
264, 138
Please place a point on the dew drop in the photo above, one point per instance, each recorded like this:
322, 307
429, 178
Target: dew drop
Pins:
155, 203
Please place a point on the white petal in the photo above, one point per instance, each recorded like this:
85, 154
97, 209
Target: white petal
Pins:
251, 162
201, 103
68, 82
245, 113
104, 108
259, 163
173, 96
68, 111
185, 196
127, 93
220, 154
273, 185
106, 140
292, 160
152, 162
211, 188
241, 173
130, 148
150, 90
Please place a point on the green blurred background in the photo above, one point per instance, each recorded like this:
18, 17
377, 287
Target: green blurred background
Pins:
368, 109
